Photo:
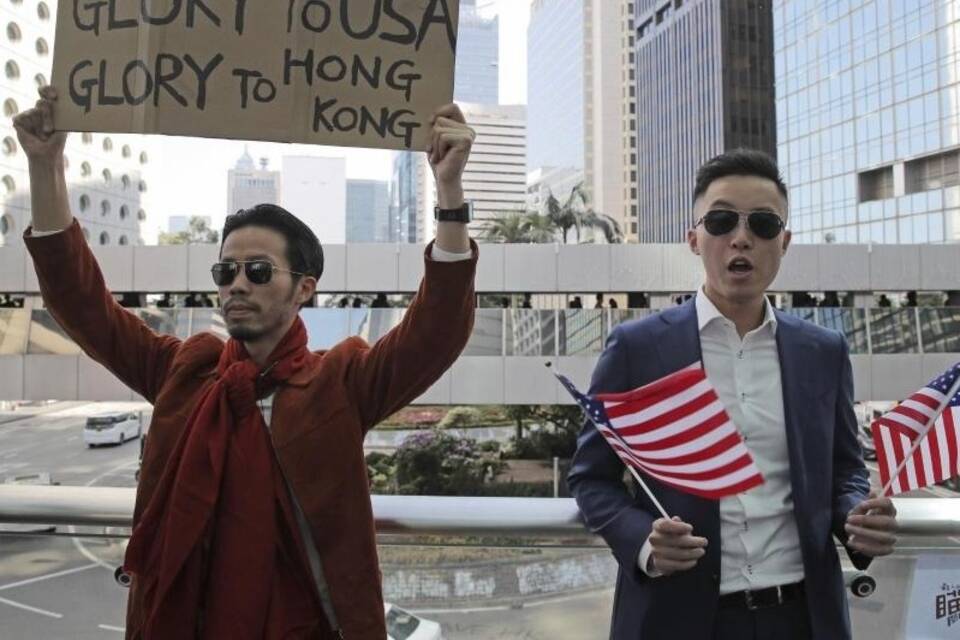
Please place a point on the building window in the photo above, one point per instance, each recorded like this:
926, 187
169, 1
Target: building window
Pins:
9, 146
125, 151
42, 47
10, 108
107, 144
932, 172
105, 208
124, 211
143, 157
13, 32
104, 238
87, 137
43, 11
12, 70
9, 184
876, 184
141, 215
142, 186
84, 202
85, 169
6, 224
107, 177
40, 79
125, 181
123, 241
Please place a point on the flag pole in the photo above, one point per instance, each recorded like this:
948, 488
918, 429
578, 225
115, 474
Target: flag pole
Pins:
926, 430
633, 471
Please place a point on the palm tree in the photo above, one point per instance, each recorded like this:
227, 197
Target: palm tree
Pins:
510, 227
540, 228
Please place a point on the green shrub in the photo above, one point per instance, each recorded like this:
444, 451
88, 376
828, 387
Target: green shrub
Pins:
461, 417
439, 463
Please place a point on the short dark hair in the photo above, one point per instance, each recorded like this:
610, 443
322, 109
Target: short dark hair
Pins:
304, 252
738, 162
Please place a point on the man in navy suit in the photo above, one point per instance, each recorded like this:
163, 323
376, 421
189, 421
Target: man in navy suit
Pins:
762, 564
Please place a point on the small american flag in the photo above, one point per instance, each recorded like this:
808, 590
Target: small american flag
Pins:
920, 437
675, 430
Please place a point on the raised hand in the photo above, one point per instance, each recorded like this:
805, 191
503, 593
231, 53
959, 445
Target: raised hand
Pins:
37, 131
449, 150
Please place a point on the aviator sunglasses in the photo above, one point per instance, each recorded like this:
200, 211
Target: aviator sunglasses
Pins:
256, 271
763, 224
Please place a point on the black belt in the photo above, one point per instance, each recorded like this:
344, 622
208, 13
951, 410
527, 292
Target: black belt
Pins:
762, 598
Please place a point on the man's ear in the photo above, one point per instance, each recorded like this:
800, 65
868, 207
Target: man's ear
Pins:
692, 241
787, 237
308, 289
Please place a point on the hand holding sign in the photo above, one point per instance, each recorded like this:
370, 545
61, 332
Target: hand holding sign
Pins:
450, 143
37, 131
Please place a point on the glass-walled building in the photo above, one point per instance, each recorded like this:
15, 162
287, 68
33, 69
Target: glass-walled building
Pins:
868, 118
704, 86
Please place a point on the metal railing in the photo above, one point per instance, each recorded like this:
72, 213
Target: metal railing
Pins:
512, 332
411, 515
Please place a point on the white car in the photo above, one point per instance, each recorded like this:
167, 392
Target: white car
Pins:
111, 428
403, 625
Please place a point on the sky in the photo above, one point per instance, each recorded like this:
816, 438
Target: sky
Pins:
190, 174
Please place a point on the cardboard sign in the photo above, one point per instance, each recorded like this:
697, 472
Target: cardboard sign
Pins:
365, 73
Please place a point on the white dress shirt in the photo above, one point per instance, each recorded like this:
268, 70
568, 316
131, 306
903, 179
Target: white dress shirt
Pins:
760, 546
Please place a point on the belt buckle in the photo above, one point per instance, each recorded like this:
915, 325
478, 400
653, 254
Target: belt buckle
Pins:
748, 596
779, 594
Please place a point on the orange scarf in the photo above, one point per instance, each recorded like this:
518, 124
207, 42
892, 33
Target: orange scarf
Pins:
217, 553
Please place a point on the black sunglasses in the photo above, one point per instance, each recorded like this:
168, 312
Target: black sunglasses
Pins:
256, 271
763, 224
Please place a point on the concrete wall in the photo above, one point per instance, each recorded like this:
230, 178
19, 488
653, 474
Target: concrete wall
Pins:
471, 379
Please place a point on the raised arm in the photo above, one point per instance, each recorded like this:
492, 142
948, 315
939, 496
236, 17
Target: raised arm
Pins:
70, 280
407, 360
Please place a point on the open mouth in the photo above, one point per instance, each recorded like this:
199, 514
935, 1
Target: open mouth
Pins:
740, 265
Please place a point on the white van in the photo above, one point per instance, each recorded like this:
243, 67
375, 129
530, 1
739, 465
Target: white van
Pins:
111, 428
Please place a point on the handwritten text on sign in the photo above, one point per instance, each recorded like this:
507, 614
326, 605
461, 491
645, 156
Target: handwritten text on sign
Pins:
341, 72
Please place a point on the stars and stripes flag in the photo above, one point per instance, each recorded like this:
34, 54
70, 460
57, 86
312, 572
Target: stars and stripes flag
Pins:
675, 430
917, 441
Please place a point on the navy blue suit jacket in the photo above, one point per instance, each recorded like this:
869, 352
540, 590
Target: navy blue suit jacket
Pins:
827, 477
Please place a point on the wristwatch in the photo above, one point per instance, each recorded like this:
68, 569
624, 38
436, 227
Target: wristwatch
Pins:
462, 214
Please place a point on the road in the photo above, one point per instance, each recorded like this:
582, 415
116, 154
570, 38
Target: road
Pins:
63, 588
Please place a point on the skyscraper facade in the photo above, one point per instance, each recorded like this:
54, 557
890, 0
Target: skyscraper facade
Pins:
704, 86
107, 175
477, 71
581, 103
555, 84
315, 190
368, 211
249, 185
476, 80
868, 119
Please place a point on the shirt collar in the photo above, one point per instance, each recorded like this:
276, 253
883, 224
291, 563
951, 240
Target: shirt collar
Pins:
707, 312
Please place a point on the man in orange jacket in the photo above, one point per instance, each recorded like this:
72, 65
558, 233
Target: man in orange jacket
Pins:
253, 516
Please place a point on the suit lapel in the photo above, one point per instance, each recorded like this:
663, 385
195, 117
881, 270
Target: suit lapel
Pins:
679, 345
796, 362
